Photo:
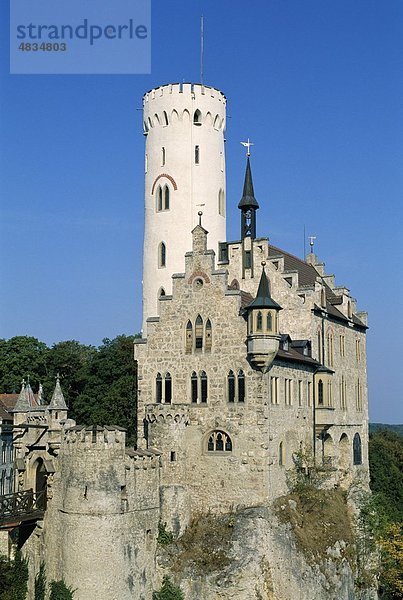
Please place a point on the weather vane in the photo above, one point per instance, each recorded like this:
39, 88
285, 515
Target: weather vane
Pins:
247, 145
312, 239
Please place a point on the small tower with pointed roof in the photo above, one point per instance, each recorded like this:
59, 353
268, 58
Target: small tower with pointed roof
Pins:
263, 327
248, 206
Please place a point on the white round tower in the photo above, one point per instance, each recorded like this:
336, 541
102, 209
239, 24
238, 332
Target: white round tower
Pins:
184, 173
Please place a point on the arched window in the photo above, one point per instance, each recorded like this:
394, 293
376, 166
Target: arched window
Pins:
219, 441
158, 388
159, 198
268, 321
199, 333
197, 117
193, 383
259, 321
164, 118
162, 255
208, 336
241, 386
166, 197
203, 383
320, 392
221, 203
281, 454
231, 386
357, 450
168, 389
161, 293
189, 338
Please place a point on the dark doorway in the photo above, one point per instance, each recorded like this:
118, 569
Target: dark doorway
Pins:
40, 485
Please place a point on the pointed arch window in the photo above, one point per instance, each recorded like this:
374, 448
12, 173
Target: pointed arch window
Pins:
189, 337
241, 386
197, 117
162, 255
161, 293
219, 441
166, 197
231, 386
259, 321
164, 118
159, 198
199, 333
357, 450
158, 388
269, 321
203, 385
168, 388
208, 342
320, 392
194, 385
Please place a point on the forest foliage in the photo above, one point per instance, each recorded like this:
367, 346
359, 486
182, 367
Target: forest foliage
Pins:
99, 383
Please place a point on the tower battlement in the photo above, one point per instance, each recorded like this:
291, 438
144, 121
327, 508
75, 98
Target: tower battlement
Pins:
193, 89
95, 438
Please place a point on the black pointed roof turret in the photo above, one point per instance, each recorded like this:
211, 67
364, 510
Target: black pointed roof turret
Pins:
263, 298
248, 199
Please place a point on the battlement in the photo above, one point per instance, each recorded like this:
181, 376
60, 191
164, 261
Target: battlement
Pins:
143, 459
167, 414
95, 437
194, 90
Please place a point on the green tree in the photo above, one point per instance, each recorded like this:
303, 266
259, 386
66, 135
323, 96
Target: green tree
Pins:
40, 583
14, 578
168, 591
386, 470
22, 356
60, 591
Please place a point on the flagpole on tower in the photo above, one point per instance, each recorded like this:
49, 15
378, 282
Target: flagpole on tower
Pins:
201, 49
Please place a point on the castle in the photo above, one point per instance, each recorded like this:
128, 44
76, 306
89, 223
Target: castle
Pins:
249, 358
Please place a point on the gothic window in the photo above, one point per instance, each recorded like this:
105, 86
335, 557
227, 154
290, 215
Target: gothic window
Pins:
158, 388
357, 450
168, 389
203, 383
161, 293
208, 336
197, 117
159, 198
197, 155
189, 337
320, 392
259, 321
166, 197
193, 382
162, 255
241, 386
219, 441
231, 387
268, 321
199, 333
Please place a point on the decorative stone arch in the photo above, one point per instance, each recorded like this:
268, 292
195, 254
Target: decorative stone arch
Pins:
149, 123
344, 452
156, 119
164, 118
174, 116
217, 122
186, 116
171, 179
218, 442
234, 285
197, 274
208, 119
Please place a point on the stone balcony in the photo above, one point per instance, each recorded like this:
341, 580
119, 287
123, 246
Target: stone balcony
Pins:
325, 416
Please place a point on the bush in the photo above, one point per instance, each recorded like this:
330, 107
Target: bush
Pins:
165, 537
60, 591
168, 591
40, 583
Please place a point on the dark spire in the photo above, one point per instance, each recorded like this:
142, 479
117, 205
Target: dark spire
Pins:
263, 298
248, 199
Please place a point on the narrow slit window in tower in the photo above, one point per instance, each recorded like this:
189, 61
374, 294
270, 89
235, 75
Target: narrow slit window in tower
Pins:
189, 337
241, 386
320, 392
162, 255
163, 156
166, 198
259, 321
159, 198
208, 336
197, 155
158, 388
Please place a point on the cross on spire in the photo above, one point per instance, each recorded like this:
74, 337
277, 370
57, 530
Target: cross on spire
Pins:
247, 145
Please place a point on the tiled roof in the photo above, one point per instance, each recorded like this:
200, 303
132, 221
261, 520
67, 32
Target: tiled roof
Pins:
306, 273
9, 400
4, 414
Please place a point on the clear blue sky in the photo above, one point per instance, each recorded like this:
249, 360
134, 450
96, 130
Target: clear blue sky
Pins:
316, 84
